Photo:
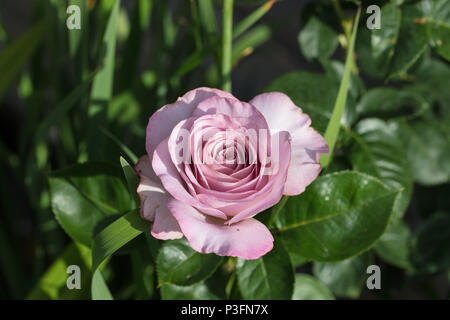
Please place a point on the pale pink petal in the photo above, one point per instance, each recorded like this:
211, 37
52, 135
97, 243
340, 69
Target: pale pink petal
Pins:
150, 190
248, 239
154, 202
307, 145
165, 226
245, 113
173, 183
161, 123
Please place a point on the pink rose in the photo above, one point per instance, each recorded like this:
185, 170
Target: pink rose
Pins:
214, 162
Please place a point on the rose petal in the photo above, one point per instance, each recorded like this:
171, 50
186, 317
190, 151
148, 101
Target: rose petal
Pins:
245, 113
154, 202
165, 226
161, 123
150, 190
172, 182
307, 144
248, 239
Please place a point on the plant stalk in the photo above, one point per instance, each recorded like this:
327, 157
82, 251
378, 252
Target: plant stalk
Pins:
227, 37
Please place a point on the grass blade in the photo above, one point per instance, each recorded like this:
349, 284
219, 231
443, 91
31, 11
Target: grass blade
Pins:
102, 87
334, 125
116, 235
132, 180
227, 36
252, 18
99, 289
14, 57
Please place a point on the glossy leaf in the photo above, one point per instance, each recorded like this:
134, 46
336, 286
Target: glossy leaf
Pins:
383, 40
393, 246
428, 146
387, 101
83, 195
317, 40
412, 39
430, 248
269, 277
309, 288
439, 21
345, 278
379, 151
179, 264
338, 216
198, 291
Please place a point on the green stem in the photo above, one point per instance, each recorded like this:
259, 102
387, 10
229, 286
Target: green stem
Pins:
245, 24
334, 125
227, 37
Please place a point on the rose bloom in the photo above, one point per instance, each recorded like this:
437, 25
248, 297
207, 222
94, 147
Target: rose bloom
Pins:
214, 162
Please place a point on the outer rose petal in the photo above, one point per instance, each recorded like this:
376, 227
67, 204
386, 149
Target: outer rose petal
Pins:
248, 239
307, 144
161, 123
165, 226
154, 202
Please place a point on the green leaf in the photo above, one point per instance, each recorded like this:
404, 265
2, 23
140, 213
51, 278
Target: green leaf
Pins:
251, 40
116, 235
345, 278
383, 40
198, 291
430, 246
122, 146
412, 40
390, 102
332, 132
77, 36
430, 82
99, 289
102, 87
251, 19
132, 180
380, 152
53, 283
309, 288
338, 216
269, 277
428, 146
60, 111
103, 82
84, 194
439, 22
14, 57
297, 260
317, 40
393, 246
179, 264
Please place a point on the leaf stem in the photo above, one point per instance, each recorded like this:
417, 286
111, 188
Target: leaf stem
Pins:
227, 37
